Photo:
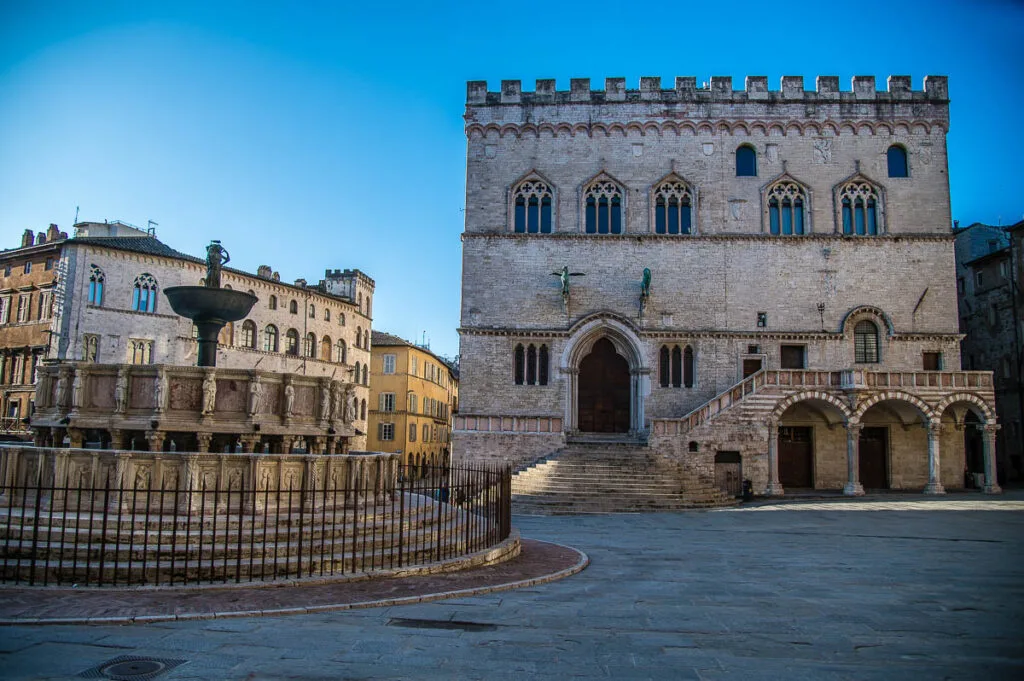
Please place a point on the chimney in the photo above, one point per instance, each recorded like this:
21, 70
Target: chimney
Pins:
28, 238
52, 234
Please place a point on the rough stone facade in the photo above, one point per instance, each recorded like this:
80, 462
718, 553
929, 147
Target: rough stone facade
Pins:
752, 283
989, 272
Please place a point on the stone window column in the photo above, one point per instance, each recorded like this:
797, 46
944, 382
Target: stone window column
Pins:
934, 485
203, 442
156, 438
988, 448
117, 439
77, 436
853, 487
774, 486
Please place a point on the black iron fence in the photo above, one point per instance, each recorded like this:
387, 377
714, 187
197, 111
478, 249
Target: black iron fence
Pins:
116, 535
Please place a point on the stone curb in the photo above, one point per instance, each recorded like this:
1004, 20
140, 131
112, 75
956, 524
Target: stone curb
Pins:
582, 562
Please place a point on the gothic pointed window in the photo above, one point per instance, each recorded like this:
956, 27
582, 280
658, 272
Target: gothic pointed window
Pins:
340, 352
688, 367
542, 365
531, 365
676, 367
531, 207
664, 367
144, 293
897, 161
519, 368
309, 346
96, 279
602, 206
858, 201
787, 202
673, 202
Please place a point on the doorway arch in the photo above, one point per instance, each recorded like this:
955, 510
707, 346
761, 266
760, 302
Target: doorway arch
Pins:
604, 334
603, 404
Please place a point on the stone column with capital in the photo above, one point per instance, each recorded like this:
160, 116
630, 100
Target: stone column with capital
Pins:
203, 442
853, 486
774, 486
155, 439
934, 485
77, 436
988, 448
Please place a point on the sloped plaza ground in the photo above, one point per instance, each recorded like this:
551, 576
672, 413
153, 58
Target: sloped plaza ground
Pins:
892, 587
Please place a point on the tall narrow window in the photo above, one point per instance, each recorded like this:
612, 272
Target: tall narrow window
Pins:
542, 366
325, 348
272, 302
603, 208
688, 367
270, 338
366, 374
664, 367
865, 338
291, 342
249, 333
359, 336
672, 208
519, 365
362, 410
897, 158
531, 365
144, 293
293, 307
786, 202
309, 347
746, 161
532, 208
96, 278
340, 352
91, 347
677, 367
859, 203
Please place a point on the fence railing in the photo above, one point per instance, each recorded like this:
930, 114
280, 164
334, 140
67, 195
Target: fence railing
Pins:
119, 535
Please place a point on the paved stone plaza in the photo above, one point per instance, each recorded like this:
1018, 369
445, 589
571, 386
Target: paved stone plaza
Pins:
895, 587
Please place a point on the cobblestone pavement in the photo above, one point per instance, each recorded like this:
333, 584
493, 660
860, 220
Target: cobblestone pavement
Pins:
878, 588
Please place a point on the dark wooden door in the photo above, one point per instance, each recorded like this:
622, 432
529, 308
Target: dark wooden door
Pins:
751, 366
728, 473
874, 454
796, 456
604, 390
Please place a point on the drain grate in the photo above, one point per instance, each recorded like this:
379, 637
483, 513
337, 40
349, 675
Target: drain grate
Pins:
457, 625
131, 668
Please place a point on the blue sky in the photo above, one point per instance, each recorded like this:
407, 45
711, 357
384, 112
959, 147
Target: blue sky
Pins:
330, 135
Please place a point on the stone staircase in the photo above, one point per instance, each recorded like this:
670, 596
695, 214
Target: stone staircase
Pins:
607, 476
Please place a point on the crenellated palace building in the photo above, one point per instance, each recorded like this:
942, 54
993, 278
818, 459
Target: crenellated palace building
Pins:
745, 278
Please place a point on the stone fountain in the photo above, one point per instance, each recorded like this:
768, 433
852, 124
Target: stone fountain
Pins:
209, 306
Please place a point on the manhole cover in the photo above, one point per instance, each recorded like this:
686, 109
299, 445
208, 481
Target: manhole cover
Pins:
131, 668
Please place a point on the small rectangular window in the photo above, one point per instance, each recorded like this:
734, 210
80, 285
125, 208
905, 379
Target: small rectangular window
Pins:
28, 267
412, 432
979, 278
762, 319
793, 357
387, 401
49, 264
389, 364
932, 361
960, 285
385, 432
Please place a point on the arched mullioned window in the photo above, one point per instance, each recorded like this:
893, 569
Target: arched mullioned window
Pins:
675, 366
531, 364
144, 294
531, 207
602, 207
309, 346
340, 352
858, 202
746, 161
787, 202
96, 279
291, 342
865, 342
672, 207
270, 338
249, 333
897, 161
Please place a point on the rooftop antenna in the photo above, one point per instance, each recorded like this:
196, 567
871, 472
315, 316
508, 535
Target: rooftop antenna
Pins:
76, 217
150, 225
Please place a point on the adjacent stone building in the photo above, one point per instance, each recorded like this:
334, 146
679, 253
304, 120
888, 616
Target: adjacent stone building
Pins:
26, 307
413, 396
110, 310
723, 277
989, 272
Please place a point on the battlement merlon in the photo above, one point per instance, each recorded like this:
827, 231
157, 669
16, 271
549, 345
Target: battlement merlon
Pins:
716, 98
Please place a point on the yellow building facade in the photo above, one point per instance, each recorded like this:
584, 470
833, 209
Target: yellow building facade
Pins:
413, 395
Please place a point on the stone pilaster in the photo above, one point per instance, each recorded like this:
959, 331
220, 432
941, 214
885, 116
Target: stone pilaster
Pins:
988, 447
934, 485
774, 486
853, 485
